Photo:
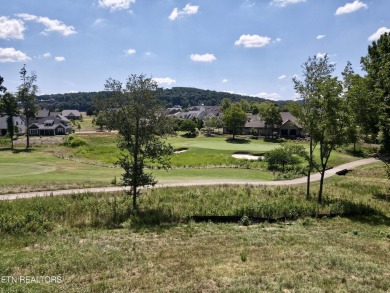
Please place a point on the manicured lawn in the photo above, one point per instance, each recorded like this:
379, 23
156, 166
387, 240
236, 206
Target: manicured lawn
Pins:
41, 170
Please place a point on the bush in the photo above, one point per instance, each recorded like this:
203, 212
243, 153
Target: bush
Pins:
279, 158
73, 142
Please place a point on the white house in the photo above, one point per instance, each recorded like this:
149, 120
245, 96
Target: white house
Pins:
19, 122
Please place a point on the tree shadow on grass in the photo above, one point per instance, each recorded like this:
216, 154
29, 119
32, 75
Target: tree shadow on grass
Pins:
154, 220
382, 196
238, 140
359, 212
16, 151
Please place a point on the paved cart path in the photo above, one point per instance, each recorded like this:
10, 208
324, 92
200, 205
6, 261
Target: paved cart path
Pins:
314, 177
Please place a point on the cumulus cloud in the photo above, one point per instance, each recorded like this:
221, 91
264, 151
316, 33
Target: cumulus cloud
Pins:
321, 55
12, 55
11, 28
252, 41
284, 3
375, 36
130, 52
351, 7
164, 81
319, 37
51, 25
225, 80
269, 96
187, 10
282, 77
203, 58
116, 5
59, 58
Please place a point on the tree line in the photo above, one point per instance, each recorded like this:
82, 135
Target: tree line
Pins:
183, 96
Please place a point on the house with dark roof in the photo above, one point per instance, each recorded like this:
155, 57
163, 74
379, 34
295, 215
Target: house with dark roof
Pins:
256, 126
49, 126
71, 114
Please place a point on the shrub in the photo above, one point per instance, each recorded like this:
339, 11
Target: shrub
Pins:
73, 142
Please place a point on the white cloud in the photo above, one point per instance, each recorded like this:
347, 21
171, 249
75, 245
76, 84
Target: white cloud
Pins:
12, 55
351, 7
130, 52
187, 10
284, 3
11, 28
47, 55
319, 37
51, 25
269, 96
99, 21
116, 5
321, 55
164, 81
252, 41
225, 80
282, 77
203, 58
59, 58
375, 36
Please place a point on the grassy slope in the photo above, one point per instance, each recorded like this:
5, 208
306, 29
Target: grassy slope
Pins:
349, 254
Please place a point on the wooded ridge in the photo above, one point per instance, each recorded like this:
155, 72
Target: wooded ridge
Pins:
183, 96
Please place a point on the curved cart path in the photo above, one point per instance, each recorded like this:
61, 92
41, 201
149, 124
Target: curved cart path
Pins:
314, 177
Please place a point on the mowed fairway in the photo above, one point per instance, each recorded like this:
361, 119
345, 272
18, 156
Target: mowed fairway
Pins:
41, 170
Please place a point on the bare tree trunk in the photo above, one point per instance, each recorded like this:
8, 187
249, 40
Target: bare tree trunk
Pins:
135, 170
28, 132
321, 185
310, 167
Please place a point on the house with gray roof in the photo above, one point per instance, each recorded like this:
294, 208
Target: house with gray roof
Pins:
256, 126
72, 114
19, 122
49, 126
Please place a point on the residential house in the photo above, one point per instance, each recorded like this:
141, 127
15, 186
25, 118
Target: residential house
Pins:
19, 122
72, 114
197, 112
255, 125
50, 125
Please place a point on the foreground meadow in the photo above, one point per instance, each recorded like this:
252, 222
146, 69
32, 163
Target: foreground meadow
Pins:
95, 242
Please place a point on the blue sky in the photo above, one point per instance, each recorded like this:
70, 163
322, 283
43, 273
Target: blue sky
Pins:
251, 47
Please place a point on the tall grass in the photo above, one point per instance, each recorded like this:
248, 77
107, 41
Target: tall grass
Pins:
348, 196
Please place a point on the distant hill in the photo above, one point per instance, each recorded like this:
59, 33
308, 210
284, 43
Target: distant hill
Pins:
183, 96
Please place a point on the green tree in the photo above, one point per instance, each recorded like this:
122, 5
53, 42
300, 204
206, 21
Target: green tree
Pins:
2, 88
100, 120
245, 106
189, 126
225, 104
135, 112
377, 66
234, 118
270, 113
27, 97
212, 123
332, 122
322, 112
9, 106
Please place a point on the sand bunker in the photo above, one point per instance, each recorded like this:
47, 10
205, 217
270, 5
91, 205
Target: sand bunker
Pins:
179, 151
247, 156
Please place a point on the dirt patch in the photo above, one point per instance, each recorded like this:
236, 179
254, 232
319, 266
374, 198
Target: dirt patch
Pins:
39, 140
